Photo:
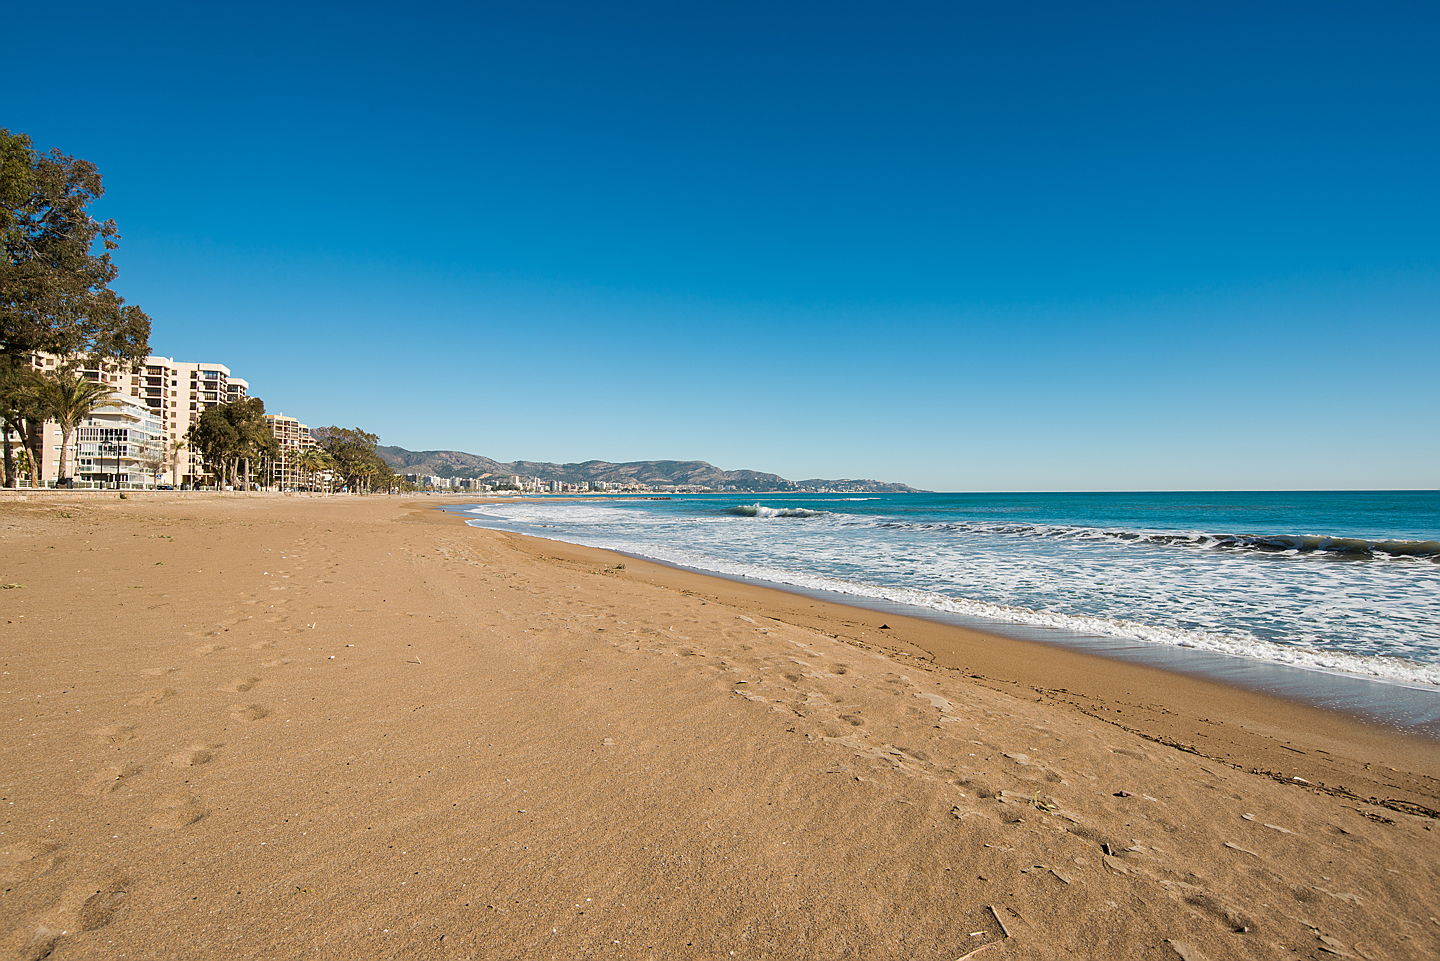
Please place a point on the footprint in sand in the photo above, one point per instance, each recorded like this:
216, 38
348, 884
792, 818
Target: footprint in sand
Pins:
261, 645
82, 908
941, 704
1220, 911
108, 780
277, 662
193, 756
205, 649
177, 811
252, 712
241, 684
114, 734
26, 860
151, 698
101, 902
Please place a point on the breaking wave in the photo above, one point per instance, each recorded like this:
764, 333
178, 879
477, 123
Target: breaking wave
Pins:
760, 510
1355, 547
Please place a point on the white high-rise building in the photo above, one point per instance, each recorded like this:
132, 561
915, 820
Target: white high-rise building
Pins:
175, 392
294, 439
118, 445
178, 392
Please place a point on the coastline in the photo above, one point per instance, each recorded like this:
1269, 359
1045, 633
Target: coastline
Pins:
1406, 706
1232, 723
330, 728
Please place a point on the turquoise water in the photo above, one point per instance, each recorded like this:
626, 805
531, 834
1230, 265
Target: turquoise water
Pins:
1335, 581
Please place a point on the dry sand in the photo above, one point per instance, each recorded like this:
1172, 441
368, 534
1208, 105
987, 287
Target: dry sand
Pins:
275, 728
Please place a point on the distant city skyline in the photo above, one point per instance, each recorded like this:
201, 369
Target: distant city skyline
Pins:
959, 247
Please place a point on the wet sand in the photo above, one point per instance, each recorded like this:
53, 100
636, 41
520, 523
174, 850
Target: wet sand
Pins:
246, 727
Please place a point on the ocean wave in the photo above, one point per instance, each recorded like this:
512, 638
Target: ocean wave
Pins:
1354, 547
760, 510
1236, 643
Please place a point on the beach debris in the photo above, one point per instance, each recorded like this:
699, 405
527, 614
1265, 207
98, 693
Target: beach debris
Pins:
11, 587
1185, 952
998, 920
1060, 877
608, 742
1122, 794
1331, 946
1276, 827
1236, 847
971, 954
884, 627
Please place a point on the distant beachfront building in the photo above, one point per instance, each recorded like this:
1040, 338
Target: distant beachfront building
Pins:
119, 445
174, 392
178, 392
294, 439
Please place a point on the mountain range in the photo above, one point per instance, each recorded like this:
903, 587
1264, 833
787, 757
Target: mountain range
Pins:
652, 473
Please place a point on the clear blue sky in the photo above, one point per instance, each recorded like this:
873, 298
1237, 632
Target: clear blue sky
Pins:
969, 246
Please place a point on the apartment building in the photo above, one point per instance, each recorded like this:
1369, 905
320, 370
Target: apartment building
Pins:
178, 392
175, 392
119, 445
294, 439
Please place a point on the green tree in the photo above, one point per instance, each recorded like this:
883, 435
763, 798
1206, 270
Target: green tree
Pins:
67, 398
230, 437
216, 439
355, 456
22, 410
55, 272
312, 462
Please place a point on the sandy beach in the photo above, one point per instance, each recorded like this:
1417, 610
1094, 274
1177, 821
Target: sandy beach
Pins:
267, 727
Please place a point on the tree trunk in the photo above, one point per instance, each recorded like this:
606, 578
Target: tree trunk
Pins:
34, 439
9, 461
64, 450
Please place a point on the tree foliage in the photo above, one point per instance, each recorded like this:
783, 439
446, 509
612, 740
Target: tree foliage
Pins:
55, 274
56, 270
22, 411
314, 462
67, 398
355, 457
231, 436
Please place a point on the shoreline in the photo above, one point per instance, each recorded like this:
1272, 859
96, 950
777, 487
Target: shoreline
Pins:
303, 728
1256, 730
1391, 703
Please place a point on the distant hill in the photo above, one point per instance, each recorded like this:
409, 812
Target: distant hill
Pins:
654, 473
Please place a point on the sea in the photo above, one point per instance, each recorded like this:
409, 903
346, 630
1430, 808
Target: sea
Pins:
1232, 584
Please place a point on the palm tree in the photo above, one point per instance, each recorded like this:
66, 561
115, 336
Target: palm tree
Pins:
173, 450
68, 399
312, 461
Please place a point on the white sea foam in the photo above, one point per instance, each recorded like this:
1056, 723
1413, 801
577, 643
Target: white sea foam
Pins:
762, 511
1373, 619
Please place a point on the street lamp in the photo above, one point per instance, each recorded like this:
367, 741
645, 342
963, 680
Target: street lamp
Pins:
116, 449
